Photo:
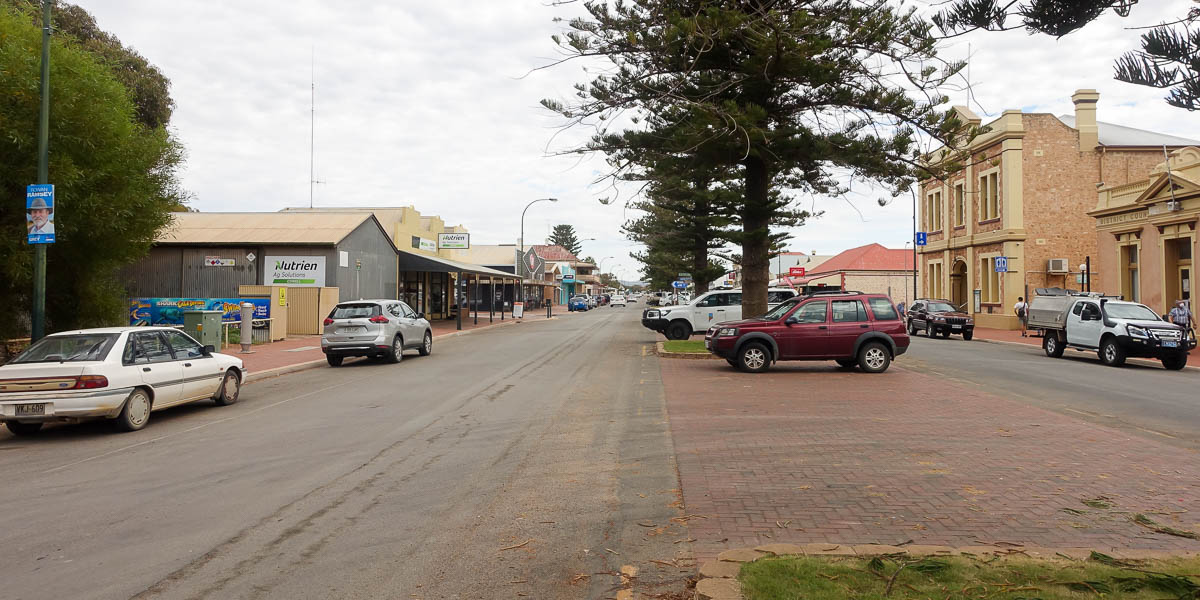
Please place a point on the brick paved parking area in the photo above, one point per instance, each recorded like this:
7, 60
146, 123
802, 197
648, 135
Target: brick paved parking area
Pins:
812, 453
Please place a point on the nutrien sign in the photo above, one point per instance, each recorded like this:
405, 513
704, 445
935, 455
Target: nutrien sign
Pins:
295, 271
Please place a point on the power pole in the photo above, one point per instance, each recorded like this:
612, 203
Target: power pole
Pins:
43, 177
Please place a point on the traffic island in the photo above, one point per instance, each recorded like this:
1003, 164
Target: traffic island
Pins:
828, 571
683, 349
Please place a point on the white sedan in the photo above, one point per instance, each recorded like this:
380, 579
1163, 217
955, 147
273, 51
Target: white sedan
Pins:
617, 301
117, 373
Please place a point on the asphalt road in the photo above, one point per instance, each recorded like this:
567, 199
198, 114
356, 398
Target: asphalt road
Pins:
1140, 398
530, 460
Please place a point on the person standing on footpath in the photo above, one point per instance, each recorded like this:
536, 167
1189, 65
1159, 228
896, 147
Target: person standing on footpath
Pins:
1022, 311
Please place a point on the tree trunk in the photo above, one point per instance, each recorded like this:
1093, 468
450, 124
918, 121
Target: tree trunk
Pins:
756, 243
700, 242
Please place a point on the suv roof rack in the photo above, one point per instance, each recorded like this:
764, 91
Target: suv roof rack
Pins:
831, 292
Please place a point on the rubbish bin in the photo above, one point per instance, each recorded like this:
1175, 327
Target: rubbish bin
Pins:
204, 325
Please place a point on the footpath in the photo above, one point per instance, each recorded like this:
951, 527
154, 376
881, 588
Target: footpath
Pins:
298, 353
1005, 336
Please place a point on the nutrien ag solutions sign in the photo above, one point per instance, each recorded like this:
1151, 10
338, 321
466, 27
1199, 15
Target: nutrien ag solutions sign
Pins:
296, 271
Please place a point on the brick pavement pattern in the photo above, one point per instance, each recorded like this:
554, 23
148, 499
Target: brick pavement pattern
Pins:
810, 453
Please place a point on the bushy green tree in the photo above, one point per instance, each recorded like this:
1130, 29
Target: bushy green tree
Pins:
796, 96
114, 177
564, 235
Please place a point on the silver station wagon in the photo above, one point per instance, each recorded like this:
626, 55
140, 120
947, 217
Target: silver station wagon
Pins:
375, 328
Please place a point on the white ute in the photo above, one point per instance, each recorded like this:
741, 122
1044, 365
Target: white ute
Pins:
680, 322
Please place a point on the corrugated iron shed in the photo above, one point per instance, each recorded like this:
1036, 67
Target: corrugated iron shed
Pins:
261, 228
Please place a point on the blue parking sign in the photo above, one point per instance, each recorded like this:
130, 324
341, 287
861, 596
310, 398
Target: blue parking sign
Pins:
39, 213
1001, 264
921, 238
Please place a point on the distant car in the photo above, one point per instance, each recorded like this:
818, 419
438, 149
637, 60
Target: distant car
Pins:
593, 301
578, 303
938, 317
375, 328
851, 328
618, 301
118, 373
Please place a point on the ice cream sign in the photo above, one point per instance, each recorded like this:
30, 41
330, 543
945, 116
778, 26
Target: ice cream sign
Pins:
296, 271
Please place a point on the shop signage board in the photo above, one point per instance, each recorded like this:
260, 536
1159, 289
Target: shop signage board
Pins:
296, 271
530, 265
454, 241
39, 213
796, 271
169, 311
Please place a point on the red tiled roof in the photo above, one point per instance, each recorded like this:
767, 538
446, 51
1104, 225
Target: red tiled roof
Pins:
872, 257
553, 252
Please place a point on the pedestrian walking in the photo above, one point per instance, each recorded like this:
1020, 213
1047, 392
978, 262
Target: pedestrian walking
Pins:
1180, 315
1022, 311
900, 308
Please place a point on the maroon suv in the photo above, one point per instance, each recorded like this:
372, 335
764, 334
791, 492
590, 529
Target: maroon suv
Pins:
851, 328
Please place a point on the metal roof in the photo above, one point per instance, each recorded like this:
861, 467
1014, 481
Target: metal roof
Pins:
324, 228
411, 261
1119, 135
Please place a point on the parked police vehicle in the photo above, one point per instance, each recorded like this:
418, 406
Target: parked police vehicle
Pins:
1112, 328
680, 322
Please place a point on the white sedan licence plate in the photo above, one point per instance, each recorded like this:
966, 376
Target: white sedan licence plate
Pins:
31, 410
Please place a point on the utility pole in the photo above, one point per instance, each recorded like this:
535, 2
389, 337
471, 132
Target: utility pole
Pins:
39, 250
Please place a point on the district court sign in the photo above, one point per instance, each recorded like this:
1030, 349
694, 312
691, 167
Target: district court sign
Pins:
296, 271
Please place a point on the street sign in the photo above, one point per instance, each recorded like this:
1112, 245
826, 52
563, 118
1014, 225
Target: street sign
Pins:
796, 272
250, 256
39, 213
685, 276
679, 285
1001, 264
921, 238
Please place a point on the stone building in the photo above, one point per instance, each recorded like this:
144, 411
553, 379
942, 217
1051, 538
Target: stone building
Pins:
872, 268
1146, 233
1024, 198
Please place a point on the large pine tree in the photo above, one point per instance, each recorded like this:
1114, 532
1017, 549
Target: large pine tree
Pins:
564, 235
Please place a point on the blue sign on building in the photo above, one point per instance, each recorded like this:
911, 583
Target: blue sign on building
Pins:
39, 213
1001, 264
921, 238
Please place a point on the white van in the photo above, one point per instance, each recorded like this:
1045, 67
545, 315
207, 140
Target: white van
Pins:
680, 322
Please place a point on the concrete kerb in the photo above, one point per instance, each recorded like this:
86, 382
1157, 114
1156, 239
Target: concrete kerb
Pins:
1141, 361
718, 578
312, 364
658, 349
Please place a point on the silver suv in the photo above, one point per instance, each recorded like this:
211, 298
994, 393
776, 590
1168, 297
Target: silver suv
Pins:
375, 328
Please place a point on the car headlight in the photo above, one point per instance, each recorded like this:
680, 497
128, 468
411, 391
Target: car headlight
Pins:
939, 318
727, 331
1137, 332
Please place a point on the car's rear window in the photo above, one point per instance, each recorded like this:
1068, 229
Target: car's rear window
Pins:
68, 348
361, 310
883, 309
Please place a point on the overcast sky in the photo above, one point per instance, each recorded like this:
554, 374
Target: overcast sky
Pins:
432, 104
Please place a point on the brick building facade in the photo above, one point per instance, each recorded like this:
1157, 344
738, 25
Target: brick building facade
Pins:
1025, 196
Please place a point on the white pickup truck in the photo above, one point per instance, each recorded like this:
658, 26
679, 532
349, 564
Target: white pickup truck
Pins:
681, 321
1112, 328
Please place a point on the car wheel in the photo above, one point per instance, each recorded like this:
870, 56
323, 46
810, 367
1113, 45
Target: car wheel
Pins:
397, 352
754, 358
1053, 347
334, 361
23, 429
678, 331
873, 357
427, 345
231, 388
846, 363
912, 329
946, 334
967, 335
1111, 353
136, 412
732, 362
1175, 362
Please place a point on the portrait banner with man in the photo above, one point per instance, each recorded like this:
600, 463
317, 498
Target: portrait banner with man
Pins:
39, 213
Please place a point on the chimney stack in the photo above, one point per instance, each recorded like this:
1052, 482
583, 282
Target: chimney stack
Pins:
1085, 119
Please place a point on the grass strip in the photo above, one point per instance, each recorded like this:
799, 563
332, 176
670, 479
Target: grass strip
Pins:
685, 346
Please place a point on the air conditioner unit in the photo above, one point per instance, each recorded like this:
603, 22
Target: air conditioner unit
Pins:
1058, 265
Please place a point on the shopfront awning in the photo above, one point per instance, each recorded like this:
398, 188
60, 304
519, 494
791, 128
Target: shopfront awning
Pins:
410, 261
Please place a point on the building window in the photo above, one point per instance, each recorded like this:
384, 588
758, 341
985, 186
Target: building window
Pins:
960, 212
989, 281
1129, 273
933, 280
989, 196
933, 211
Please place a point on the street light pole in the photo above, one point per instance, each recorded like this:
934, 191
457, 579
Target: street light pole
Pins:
38, 314
521, 280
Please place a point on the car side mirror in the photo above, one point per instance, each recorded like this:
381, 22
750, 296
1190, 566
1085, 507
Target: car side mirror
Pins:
791, 321
209, 349
420, 315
